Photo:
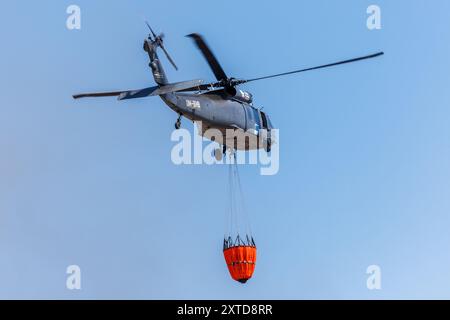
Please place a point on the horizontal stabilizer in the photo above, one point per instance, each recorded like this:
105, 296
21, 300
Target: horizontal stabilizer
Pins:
142, 93
179, 86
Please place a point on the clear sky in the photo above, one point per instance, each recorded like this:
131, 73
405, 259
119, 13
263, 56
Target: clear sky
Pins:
364, 166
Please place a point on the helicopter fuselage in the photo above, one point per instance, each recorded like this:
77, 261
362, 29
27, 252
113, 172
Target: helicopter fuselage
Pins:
217, 105
216, 111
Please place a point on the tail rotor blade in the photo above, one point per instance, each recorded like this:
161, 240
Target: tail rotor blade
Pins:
159, 42
150, 28
168, 57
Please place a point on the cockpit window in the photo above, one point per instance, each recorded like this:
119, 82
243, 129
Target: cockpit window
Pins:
264, 120
269, 123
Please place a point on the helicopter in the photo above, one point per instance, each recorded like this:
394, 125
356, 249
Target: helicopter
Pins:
219, 104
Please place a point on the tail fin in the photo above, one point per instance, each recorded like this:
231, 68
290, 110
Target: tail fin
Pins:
158, 71
150, 46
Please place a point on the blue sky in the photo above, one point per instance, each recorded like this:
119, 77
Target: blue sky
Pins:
364, 152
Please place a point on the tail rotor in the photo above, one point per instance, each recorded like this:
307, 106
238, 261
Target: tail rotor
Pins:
158, 40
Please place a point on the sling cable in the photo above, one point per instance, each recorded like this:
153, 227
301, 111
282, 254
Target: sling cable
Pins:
239, 248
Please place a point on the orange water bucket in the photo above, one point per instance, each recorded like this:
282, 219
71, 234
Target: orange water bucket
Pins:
241, 261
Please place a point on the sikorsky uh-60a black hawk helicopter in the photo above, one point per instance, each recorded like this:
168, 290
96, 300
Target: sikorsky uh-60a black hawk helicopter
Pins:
219, 104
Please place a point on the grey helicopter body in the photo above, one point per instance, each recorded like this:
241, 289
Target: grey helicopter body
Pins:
209, 106
218, 105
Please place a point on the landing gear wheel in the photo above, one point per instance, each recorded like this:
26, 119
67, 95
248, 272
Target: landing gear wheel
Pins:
178, 123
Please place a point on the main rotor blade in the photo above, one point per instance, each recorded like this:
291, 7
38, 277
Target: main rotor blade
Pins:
129, 94
209, 56
97, 94
190, 85
314, 68
168, 57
